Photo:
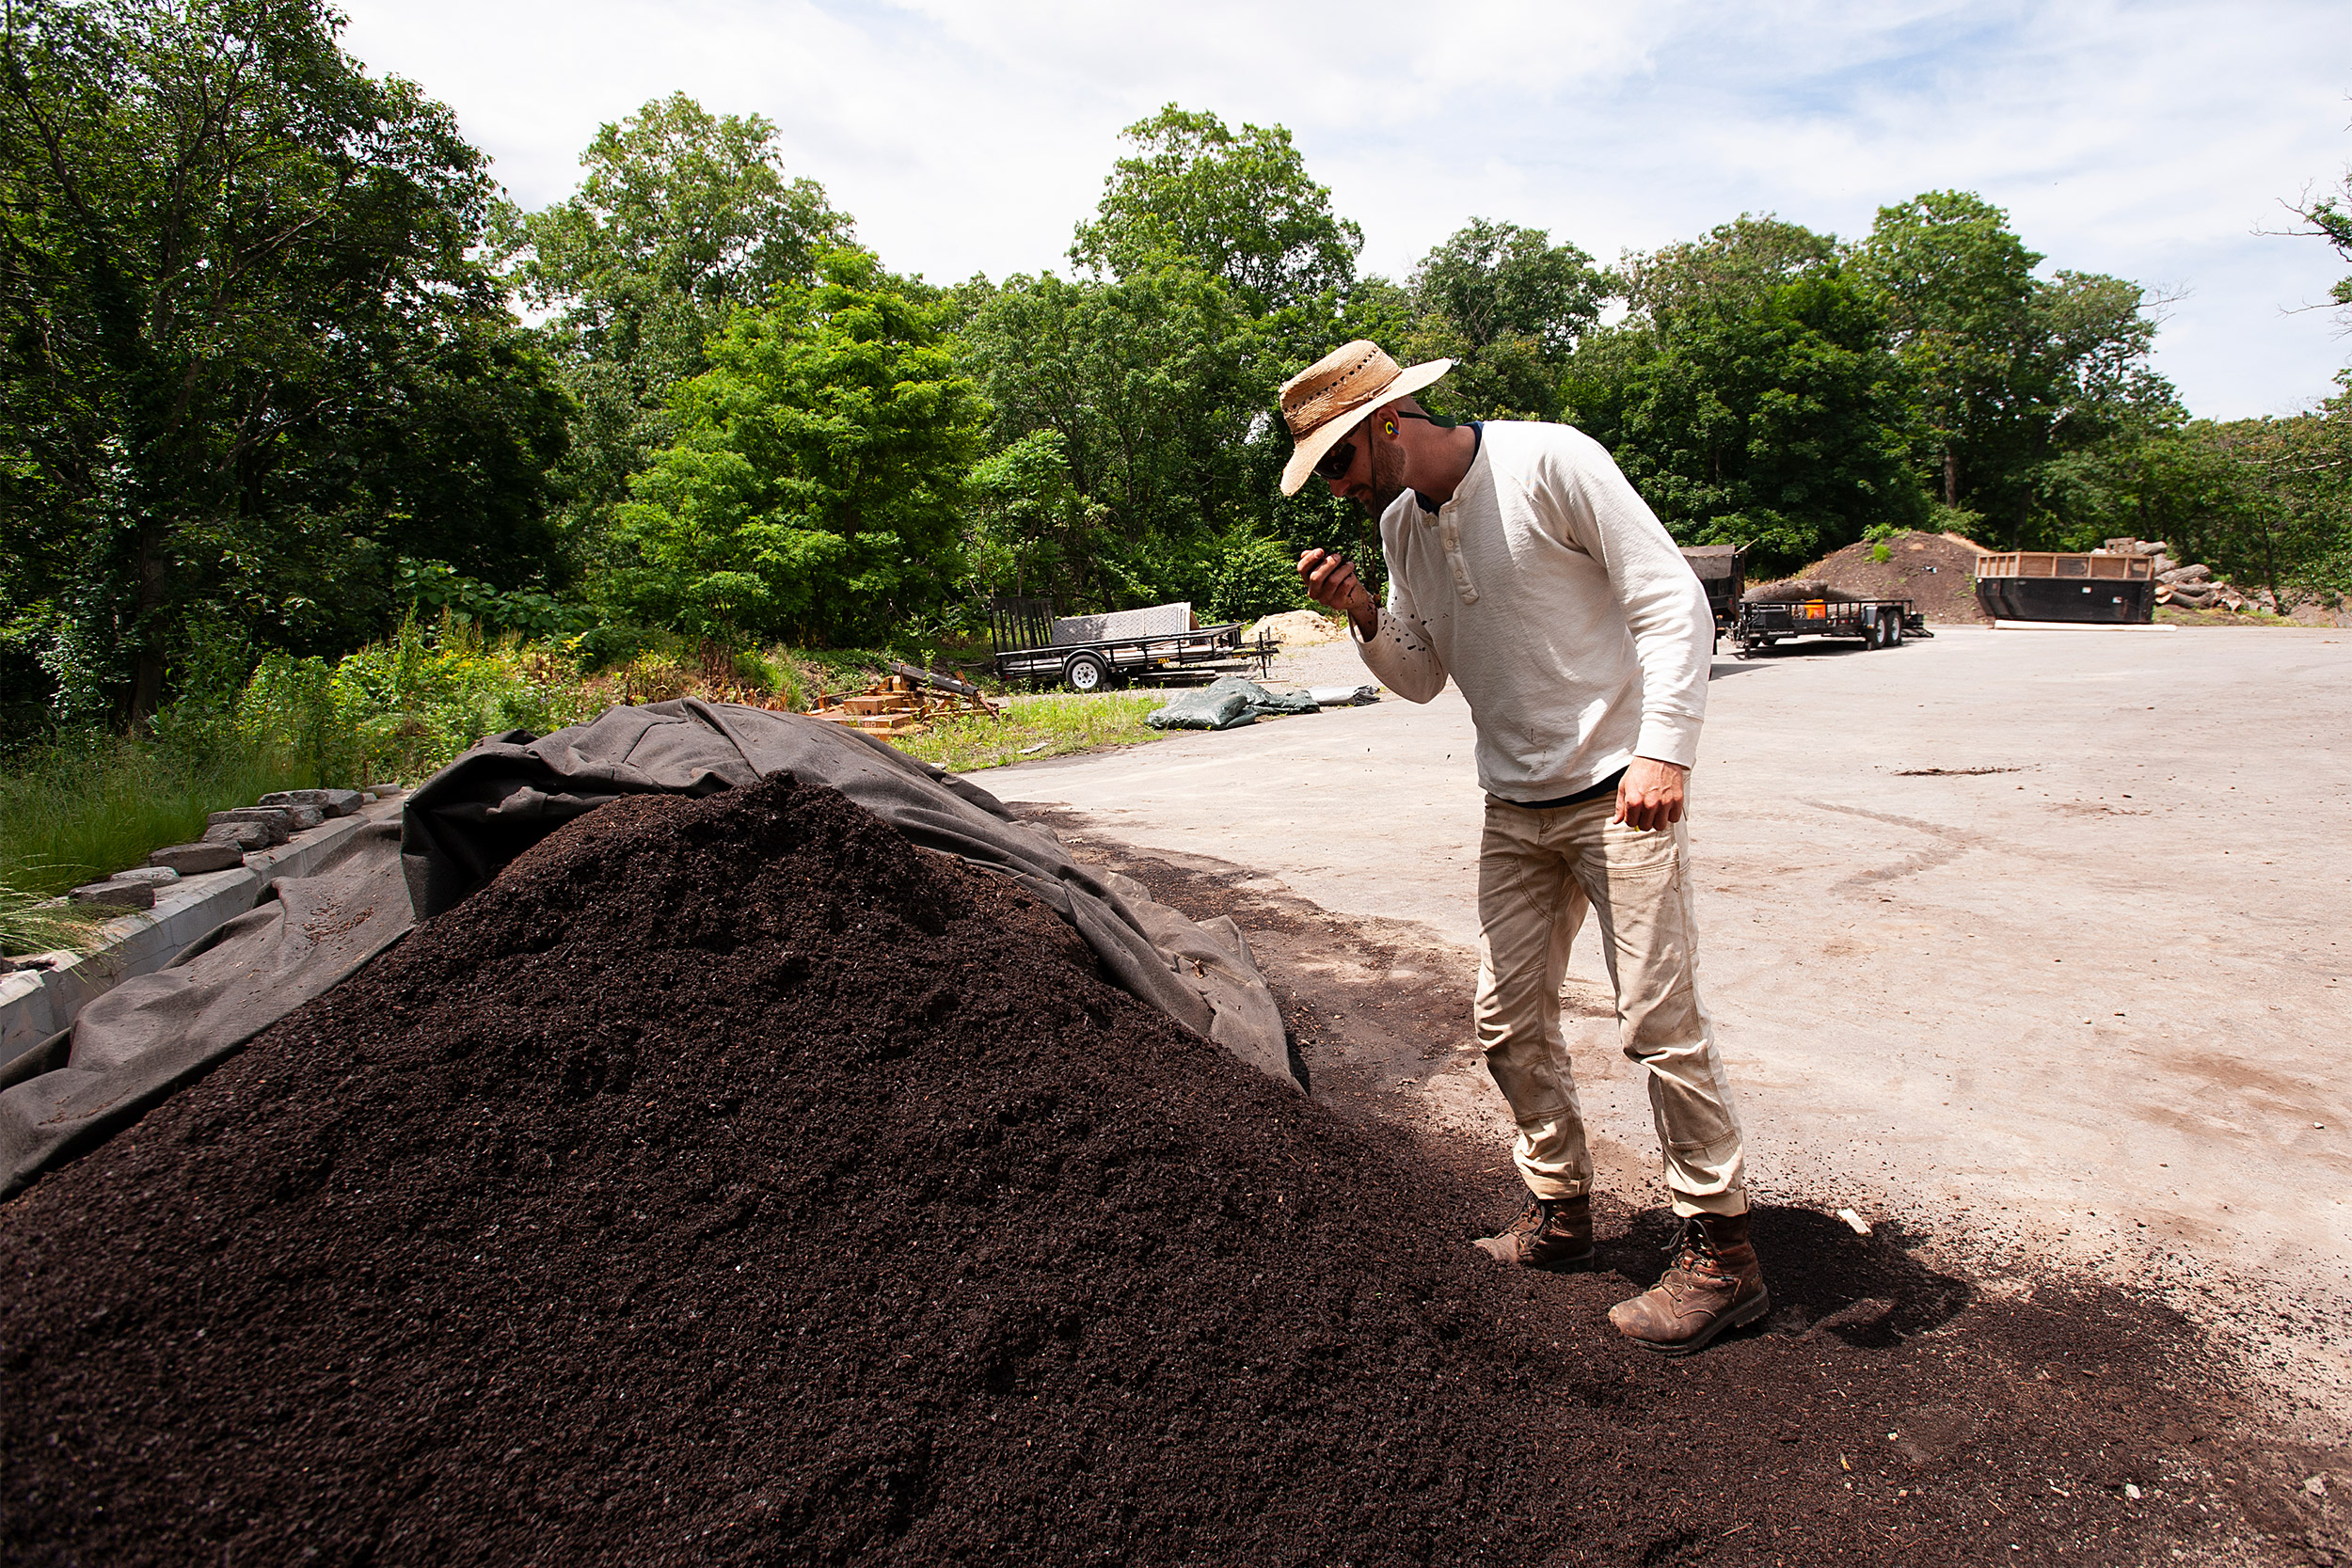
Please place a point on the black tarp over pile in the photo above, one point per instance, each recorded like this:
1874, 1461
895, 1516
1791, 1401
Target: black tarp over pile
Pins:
134, 1046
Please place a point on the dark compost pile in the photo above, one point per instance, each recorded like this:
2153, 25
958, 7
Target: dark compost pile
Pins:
731, 1182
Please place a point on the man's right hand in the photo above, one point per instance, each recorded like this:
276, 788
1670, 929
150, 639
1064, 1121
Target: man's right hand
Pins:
1331, 582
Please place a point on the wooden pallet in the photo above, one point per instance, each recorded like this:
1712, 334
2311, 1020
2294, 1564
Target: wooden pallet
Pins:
899, 705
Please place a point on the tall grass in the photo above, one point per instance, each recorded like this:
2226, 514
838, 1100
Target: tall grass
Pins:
395, 711
30, 923
79, 810
1036, 727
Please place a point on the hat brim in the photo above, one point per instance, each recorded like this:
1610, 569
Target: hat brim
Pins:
1310, 448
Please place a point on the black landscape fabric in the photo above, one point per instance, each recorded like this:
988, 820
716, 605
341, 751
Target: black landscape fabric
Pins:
140, 1042
506, 794
146, 1037
732, 1181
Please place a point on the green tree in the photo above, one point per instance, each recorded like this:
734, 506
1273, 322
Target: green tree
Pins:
682, 218
2016, 373
234, 284
1154, 386
1508, 306
1957, 286
813, 488
1240, 206
1734, 262
1752, 411
2289, 524
2330, 218
1028, 531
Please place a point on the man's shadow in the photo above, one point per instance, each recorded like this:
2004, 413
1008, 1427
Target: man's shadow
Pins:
1867, 1291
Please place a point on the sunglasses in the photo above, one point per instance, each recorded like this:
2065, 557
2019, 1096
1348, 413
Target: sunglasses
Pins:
1337, 462
1341, 458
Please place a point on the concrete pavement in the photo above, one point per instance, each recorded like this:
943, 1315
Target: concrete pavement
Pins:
2041, 935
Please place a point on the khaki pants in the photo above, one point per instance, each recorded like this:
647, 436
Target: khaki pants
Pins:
1538, 873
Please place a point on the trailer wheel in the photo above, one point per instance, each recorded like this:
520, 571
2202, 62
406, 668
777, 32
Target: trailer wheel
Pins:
1895, 629
1086, 673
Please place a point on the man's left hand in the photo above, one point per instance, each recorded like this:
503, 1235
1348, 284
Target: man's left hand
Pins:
1649, 797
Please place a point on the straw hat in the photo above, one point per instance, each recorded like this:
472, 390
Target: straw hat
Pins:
1327, 400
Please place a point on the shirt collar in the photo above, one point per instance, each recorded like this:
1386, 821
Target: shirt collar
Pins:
1478, 443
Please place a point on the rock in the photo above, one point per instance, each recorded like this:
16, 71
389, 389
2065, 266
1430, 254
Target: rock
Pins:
151, 873
305, 818
129, 896
189, 860
333, 802
246, 836
279, 819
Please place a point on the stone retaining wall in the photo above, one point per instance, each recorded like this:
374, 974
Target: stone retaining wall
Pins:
39, 1003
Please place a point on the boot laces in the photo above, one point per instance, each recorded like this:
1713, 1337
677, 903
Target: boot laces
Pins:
1694, 1254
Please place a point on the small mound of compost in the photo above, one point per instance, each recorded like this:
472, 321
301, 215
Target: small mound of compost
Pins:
1937, 572
731, 1182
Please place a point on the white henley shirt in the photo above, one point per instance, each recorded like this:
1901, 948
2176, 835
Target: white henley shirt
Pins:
1557, 601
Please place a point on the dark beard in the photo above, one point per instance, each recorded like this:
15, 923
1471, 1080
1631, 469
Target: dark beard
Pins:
1388, 477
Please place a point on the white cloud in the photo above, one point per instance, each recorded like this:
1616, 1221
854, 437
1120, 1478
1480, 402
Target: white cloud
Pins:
2145, 140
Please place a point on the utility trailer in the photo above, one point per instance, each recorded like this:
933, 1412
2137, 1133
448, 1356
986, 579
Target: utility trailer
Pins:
1723, 571
1088, 653
1874, 623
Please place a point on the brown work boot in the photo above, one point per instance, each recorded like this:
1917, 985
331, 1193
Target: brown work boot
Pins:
1715, 1284
1550, 1233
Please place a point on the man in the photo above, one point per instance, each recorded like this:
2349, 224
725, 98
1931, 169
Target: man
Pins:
1524, 566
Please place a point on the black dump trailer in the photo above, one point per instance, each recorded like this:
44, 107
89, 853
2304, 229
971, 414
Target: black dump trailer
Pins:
1723, 571
1873, 623
1089, 653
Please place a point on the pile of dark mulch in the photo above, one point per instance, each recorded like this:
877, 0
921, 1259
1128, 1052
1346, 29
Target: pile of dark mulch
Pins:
731, 1182
1937, 572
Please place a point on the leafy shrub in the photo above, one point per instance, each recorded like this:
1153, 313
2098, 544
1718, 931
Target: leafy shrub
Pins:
400, 708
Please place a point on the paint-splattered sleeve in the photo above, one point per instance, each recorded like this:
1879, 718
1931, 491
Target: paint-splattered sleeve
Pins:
1400, 652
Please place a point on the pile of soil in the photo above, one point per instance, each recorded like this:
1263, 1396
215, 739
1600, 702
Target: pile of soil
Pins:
1298, 628
731, 1182
1937, 572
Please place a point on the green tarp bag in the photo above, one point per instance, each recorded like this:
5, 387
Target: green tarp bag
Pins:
1226, 703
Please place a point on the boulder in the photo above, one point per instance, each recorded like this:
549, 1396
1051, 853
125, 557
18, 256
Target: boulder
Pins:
279, 819
189, 860
155, 874
333, 802
129, 896
247, 835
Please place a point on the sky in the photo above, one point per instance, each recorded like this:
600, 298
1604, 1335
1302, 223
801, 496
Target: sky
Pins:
2154, 141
